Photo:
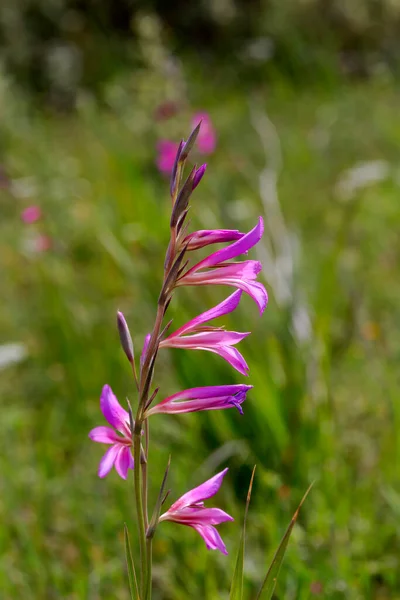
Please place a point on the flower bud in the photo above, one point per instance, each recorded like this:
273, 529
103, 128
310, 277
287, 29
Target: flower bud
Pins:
190, 143
125, 336
198, 175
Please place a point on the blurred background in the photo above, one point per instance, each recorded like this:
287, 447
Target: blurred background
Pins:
302, 102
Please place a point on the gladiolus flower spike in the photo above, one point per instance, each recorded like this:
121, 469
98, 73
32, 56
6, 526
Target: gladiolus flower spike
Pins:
128, 438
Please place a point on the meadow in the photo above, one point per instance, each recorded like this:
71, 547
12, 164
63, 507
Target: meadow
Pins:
321, 165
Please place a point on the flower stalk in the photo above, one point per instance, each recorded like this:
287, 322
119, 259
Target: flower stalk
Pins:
132, 435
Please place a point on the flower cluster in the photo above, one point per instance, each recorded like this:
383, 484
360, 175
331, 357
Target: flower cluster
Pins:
218, 268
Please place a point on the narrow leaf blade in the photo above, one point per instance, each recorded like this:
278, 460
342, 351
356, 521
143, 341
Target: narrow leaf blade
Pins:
237, 580
133, 586
269, 583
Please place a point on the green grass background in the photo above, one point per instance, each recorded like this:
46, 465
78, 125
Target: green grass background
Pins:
324, 408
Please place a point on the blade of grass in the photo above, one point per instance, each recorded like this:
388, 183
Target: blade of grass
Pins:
133, 586
237, 580
269, 583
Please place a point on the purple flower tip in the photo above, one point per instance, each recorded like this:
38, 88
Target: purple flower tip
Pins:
199, 175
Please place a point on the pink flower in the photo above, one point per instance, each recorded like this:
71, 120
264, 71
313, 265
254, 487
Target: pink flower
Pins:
213, 339
42, 243
166, 156
190, 510
215, 270
207, 138
31, 214
119, 455
203, 398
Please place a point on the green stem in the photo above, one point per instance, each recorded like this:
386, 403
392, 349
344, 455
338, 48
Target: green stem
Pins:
149, 549
139, 508
144, 473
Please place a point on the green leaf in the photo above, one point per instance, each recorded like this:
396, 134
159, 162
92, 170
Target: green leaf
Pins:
269, 583
133, 586
237, 581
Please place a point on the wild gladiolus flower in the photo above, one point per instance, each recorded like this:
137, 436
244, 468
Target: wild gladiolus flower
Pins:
31, 214
215, 270
207, 138
166, 156
119, 455
203, 398
213, 339
190, 510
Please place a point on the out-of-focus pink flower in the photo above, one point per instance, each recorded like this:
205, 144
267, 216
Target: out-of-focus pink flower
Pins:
215, 270
166, 156
31, 214
207, 138
213, 339
119, 455
42, 243
215, 397
190, 510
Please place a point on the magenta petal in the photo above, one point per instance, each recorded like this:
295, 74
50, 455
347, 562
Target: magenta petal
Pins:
117, 416
201, 515
203, 398
104, 435
240, 275
211, 537
207, 339
206, 490
123, 462
204, 237
108, 460
212, 391
241, 246
223, 308
232, 356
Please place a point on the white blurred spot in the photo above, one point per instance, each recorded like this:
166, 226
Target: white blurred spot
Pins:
11, 354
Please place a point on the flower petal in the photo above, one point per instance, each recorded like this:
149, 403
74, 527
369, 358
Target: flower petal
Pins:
239, 247
221, 309
211, 391
240, 275
204, 237
108, 460
211, 537
104, 435
206, 490
117, 416
208, 339
199, 515
232, 356
123, 462
203, 398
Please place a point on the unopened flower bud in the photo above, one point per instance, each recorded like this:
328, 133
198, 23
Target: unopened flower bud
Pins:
125, 336
190, 143
198, 176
